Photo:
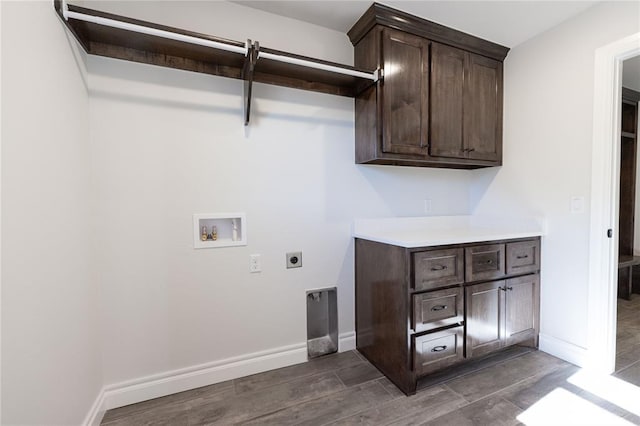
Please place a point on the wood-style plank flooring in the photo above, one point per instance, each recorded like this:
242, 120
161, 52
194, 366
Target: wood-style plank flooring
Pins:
522, 387
628, 340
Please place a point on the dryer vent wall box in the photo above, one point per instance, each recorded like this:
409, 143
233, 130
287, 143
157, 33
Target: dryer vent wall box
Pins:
322, 322
214, 230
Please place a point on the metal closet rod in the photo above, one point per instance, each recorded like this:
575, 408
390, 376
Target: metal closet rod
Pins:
66, 13
296, 61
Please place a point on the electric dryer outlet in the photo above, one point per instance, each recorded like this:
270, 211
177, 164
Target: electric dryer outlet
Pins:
294, 259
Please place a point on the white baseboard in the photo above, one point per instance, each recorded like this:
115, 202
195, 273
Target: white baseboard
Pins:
564, 350
347, 341
95, 415
166, 383
162, 384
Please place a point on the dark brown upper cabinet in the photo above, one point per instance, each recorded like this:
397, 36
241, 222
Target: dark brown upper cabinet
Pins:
439, 103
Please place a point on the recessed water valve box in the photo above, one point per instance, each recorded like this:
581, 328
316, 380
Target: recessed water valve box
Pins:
214, 230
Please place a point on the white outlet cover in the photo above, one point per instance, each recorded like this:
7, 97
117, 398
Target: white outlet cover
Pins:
255, 265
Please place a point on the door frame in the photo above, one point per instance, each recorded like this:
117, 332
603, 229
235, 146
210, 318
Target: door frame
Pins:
605, 195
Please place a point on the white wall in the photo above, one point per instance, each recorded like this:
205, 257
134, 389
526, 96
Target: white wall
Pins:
51, 350
547, 154
167, 144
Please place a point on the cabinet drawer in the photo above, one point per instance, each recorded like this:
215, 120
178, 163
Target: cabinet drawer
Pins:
437, 309
434, 351
523, 257
485, 262
438, 268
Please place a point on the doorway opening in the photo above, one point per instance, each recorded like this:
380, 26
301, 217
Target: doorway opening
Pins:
603, 261
627, 364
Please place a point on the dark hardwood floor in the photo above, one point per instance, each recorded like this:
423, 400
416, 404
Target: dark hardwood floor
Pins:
525, 387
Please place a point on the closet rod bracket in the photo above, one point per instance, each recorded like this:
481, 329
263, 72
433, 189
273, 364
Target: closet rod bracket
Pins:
247, 76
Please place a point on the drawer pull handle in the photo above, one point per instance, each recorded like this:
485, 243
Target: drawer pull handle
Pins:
439, 268
439, 348
439, 308
522, 257
489, 262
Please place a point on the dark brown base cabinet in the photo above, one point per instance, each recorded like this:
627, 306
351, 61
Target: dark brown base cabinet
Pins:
420, 310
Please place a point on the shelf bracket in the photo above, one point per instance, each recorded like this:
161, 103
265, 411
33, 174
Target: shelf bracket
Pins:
247, 76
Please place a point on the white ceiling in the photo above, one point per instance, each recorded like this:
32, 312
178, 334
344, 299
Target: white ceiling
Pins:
504, 22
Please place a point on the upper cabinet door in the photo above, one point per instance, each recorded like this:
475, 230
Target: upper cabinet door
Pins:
405, 93
483, 109
447, 77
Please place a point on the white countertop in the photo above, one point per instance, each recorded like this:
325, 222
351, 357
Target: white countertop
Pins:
411, 232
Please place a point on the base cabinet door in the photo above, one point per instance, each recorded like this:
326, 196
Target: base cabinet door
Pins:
502, 313
485, 318
522, 306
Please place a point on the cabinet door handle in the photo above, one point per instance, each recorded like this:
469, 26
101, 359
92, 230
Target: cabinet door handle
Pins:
508, 288
439, 348
522, 256
439, 308
471, 149
439, 268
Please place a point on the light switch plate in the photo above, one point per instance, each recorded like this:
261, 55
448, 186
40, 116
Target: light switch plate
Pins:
577, 205
427, 205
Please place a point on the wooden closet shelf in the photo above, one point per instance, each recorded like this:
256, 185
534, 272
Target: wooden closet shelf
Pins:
119, 43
